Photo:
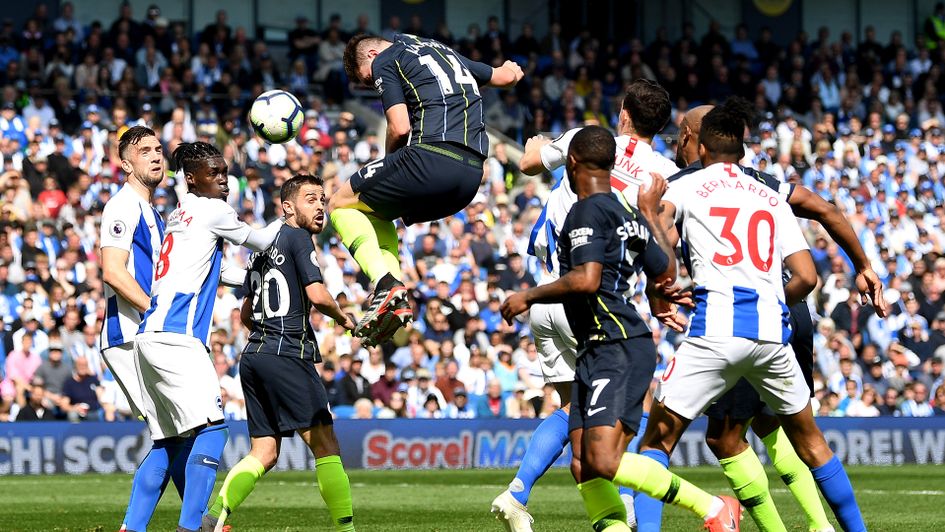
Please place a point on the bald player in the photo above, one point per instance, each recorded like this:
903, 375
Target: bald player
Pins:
731, 415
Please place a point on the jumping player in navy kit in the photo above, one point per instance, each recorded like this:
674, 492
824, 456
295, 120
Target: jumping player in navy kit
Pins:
436, 144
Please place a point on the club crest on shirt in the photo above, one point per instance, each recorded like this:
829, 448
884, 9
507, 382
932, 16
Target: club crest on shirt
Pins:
117, 229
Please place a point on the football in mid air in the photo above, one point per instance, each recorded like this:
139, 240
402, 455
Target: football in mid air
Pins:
276, 116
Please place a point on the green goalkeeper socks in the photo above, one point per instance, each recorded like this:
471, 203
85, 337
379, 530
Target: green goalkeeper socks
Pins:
604, 506
389, 243
239, 483
748, 480
335, 491
798, 478
359, 236
650, 477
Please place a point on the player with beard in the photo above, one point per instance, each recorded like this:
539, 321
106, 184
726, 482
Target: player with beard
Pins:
130, 240
284, 393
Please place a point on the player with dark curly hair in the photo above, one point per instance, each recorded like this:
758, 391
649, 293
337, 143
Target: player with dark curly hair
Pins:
180, 388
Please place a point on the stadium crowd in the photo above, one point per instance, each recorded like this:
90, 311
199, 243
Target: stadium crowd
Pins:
858, 121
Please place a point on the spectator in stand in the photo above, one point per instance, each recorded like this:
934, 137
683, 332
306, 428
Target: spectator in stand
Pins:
448, 383
890, 404
460, 408
54, 372
515, 277
80, 394
918, 405
354, 385
386, 386
33, 403
21, 364
939, 409
431, 408
332, 386
363, 409
418, 393
865, 406
492, 405
505, 371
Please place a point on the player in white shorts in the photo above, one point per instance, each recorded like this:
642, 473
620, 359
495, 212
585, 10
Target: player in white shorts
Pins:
130, 239
645, 111
737, 232
181, 389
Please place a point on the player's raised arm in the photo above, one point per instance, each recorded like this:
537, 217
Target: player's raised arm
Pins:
507, 75
261, 239
232, 276
796, 255
531, 161
543, 154
228, 226
808, 205
649, 202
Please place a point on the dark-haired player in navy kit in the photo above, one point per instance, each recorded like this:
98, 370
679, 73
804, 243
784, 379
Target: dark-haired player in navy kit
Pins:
436, 144
604, 244
284, 394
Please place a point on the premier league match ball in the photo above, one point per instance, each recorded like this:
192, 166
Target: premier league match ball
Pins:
276, 116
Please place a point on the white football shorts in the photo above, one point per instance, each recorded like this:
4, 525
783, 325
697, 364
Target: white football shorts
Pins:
555, 342
181, 388
120, 360
705, 367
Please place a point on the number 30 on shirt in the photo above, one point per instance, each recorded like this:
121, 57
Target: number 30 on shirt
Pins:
756, 218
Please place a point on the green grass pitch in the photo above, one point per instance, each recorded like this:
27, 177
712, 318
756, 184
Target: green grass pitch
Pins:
892, 499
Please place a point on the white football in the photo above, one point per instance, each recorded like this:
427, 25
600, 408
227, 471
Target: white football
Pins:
276, 116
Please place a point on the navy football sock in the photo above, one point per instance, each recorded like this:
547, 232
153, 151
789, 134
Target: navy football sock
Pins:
545, 447
201, 473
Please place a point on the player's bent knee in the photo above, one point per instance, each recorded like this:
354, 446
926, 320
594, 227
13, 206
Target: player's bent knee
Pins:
344, 197
726, 444
266, 450
813, 451
600, 461
268, 460
321, 440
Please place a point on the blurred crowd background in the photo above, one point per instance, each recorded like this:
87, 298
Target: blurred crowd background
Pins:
858, 119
